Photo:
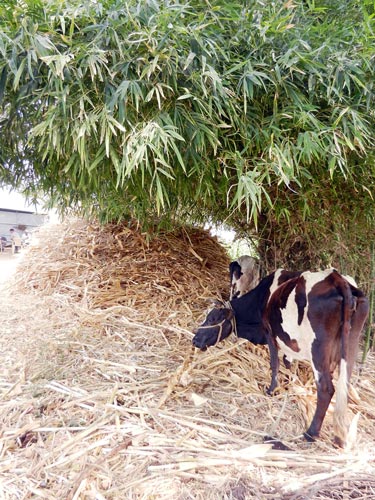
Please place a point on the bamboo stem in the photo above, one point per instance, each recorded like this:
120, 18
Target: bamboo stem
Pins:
369, 338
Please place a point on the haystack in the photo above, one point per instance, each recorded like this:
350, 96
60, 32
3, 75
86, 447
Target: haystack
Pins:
117, 265
103, 396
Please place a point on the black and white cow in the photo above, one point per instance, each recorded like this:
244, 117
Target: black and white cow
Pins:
313, 316
244, 275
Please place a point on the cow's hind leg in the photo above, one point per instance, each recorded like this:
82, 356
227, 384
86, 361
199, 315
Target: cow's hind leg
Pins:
325, 392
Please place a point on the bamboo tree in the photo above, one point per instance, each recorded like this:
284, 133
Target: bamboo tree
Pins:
257, 114
369, 340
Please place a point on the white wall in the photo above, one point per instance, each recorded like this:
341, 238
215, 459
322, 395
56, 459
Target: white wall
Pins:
12, 218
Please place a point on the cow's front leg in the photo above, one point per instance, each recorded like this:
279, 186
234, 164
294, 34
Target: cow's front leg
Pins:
274, 361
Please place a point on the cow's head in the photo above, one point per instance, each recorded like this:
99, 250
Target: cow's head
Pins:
244, 275
217, 326
235, 273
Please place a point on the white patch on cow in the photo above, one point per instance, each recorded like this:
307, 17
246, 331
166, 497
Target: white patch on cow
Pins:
250, 276
350, 280
303, 333
342, 388
247, 263
340, 422
274, 285
316, 373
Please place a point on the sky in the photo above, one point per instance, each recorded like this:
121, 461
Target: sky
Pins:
14, 201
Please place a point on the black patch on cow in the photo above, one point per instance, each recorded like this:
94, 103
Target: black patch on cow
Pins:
287, 275
216, 327
235, 271
287, 288
249, 309
278, 302
300, 298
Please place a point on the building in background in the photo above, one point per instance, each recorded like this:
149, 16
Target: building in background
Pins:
24, 222
16, 213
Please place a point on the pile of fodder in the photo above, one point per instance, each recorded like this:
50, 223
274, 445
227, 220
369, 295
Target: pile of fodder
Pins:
168, 276
108, 399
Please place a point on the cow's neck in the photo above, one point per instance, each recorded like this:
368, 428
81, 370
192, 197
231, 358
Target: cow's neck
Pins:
248, 311
249, 308
254, 333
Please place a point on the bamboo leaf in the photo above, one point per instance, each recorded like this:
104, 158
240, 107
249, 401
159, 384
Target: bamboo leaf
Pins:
18, 75
3, 81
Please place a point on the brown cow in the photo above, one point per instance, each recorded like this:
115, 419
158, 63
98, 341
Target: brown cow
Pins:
317, 317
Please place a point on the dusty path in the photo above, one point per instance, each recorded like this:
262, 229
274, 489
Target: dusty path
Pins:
8, 265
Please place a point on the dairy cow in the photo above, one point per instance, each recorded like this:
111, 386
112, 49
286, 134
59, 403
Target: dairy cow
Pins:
312, 316
244, 275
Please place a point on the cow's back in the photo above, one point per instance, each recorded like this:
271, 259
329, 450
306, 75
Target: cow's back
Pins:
305, 312
318, 317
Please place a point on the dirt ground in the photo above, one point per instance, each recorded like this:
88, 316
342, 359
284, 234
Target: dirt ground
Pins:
8, 264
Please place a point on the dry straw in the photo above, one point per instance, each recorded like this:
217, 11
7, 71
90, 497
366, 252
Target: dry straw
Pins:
103, 396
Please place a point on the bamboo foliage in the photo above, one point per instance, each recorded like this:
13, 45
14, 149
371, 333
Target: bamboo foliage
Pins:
369, 341
162, 109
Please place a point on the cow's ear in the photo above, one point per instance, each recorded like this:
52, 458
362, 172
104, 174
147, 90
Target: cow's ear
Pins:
216, 303
219, 304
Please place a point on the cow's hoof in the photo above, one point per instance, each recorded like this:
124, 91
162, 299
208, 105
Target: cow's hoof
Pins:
276, 444
271, 389
340, 443
309, 438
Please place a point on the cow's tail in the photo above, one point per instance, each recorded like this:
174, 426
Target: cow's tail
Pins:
340, 419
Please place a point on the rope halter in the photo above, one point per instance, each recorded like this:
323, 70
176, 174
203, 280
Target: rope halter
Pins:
227, 305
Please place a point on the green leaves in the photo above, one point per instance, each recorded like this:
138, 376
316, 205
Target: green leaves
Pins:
175, 108
3, 80
250, 188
